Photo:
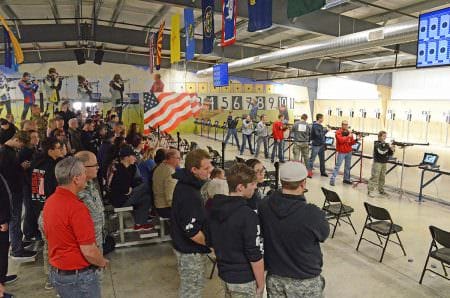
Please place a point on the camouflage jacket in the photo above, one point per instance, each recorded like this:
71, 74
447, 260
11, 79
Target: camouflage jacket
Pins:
42, 124
92, 199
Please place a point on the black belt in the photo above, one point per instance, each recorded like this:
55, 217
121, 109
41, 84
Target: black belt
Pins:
73, 272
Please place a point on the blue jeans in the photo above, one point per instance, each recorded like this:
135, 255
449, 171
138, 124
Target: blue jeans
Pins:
232, 132
265, 141
246, 138
26, 107
348, 162
141, 200
82, 285
15, 230
317, 150
278, 146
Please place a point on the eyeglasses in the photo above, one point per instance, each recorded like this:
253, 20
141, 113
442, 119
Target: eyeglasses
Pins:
92, 166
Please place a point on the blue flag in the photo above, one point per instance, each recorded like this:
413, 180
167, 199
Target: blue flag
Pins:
228, 22
189, 28
259, 15
208, 25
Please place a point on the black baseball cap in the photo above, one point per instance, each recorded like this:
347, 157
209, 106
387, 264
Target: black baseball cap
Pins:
126, 151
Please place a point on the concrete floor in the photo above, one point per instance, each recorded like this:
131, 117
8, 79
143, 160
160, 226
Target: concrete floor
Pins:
150, 271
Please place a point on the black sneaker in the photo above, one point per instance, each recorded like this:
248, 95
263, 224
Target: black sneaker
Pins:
9, 279
324, 175
347, 182
24, 255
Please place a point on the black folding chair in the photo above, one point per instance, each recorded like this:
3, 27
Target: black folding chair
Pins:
240, 160
214, 264
379, 221
194, 146
441, 254
335, 209
216, 158
210, 149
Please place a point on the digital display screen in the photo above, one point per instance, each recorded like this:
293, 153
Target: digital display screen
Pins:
430, 159
220, 75
434, 38
329, 141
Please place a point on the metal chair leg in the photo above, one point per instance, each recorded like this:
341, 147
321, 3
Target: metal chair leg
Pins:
212, 271
384, 248
424, 269
121, 228
443, 267
351, 224
360, 238
401, 245
379, 239
335, 226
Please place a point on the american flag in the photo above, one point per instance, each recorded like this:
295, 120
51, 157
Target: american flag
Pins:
167, 110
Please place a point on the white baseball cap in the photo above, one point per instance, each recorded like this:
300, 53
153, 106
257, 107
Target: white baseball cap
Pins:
292, 171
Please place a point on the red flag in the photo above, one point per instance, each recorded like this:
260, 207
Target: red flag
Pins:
159, 45
151, 58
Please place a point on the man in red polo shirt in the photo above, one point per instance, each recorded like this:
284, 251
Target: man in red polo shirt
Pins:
73, 254
278, 129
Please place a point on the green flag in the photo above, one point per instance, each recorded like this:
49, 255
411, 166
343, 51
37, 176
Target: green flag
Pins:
296, 8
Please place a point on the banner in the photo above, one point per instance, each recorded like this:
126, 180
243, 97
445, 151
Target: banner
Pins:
159, 45
175, 53
228, 22
208, 26
151, 54
189, 28
296, 8
259, 15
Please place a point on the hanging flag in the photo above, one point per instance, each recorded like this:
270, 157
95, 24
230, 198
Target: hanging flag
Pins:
159, 45
151, 54
259, 15
7, 47
189, 28
228, 22
15, 43
208, 26
296, 8
175, 54
168, 109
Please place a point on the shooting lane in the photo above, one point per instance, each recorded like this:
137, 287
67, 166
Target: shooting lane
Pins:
413, 110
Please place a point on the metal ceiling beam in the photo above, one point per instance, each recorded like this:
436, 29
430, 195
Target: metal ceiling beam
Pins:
410, 9
330, 24
10, 12
157, 17
55, 12
116, 13
97, 5
106, 34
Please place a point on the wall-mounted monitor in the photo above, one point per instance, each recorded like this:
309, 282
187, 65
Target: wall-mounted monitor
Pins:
220, 75
434, 38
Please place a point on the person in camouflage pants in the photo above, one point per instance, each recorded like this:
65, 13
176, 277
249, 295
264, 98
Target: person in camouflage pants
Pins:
192, 269
91, 195
278, 286
246, 290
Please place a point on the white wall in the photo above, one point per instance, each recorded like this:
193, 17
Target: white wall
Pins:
346, 89
423, 84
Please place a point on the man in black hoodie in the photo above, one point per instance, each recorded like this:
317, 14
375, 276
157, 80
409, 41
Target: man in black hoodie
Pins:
14, 173
292, 231
235, 235
189, 222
